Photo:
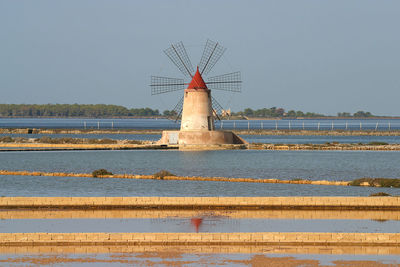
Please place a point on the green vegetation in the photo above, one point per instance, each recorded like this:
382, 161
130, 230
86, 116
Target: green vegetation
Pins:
380, 194
376, 182
377, 143
100, 172
170, 113
161, 174
274, 112
358, 114
75, 110
106, 111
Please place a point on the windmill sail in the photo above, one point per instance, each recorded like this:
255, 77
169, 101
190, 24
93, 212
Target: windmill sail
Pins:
227, 82
217, 108
160, 85
211, 54
177, 111
177, 54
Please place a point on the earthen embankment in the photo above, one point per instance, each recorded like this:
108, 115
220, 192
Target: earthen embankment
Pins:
203, 203
176, 178
260, 238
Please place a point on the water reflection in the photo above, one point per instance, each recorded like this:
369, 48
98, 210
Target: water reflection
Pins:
196, 222
187, 225
377, 215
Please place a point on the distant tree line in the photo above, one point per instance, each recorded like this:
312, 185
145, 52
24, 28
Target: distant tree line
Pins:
358, 114
275, 112
102, 110
75, 110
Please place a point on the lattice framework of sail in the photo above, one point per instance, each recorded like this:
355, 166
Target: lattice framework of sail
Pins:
178, 110
217, 108
227, 82
211, 54
160, 85
178, 55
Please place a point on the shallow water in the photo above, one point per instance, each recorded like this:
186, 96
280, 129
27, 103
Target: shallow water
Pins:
173, 257
71, 186
299, 124
188, 225
314, 165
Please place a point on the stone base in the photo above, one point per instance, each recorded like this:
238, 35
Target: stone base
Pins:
200, 139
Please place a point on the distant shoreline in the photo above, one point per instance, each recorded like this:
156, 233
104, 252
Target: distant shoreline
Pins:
237, 131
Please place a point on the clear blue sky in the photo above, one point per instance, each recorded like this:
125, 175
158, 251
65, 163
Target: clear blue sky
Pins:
320, 56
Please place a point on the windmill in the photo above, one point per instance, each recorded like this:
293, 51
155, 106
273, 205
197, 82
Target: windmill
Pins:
197, 108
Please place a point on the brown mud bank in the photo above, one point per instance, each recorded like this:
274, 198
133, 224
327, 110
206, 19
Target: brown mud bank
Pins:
245, 131
65, 147
49, 144
202, 203
76, 131
370, 182
322, 132
177, 178
327, 146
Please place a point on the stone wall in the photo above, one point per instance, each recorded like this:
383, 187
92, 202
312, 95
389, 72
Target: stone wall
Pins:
295, 238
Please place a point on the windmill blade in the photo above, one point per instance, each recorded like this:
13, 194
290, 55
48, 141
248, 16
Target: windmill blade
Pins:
228, 82
217, 108
161, 85
177, 54
178, 110
211, 54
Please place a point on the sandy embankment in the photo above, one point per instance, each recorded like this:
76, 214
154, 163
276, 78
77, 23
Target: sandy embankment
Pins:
179, 178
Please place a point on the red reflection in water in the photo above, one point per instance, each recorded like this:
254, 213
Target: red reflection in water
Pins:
196, 222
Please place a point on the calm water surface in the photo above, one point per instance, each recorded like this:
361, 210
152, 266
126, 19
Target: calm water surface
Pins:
172, 257
315, 165
69, 186
272, 139
298, 124
186, 225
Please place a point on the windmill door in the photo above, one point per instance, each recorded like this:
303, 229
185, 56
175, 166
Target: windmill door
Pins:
173, 138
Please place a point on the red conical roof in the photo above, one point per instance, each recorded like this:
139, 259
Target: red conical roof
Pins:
197, 81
